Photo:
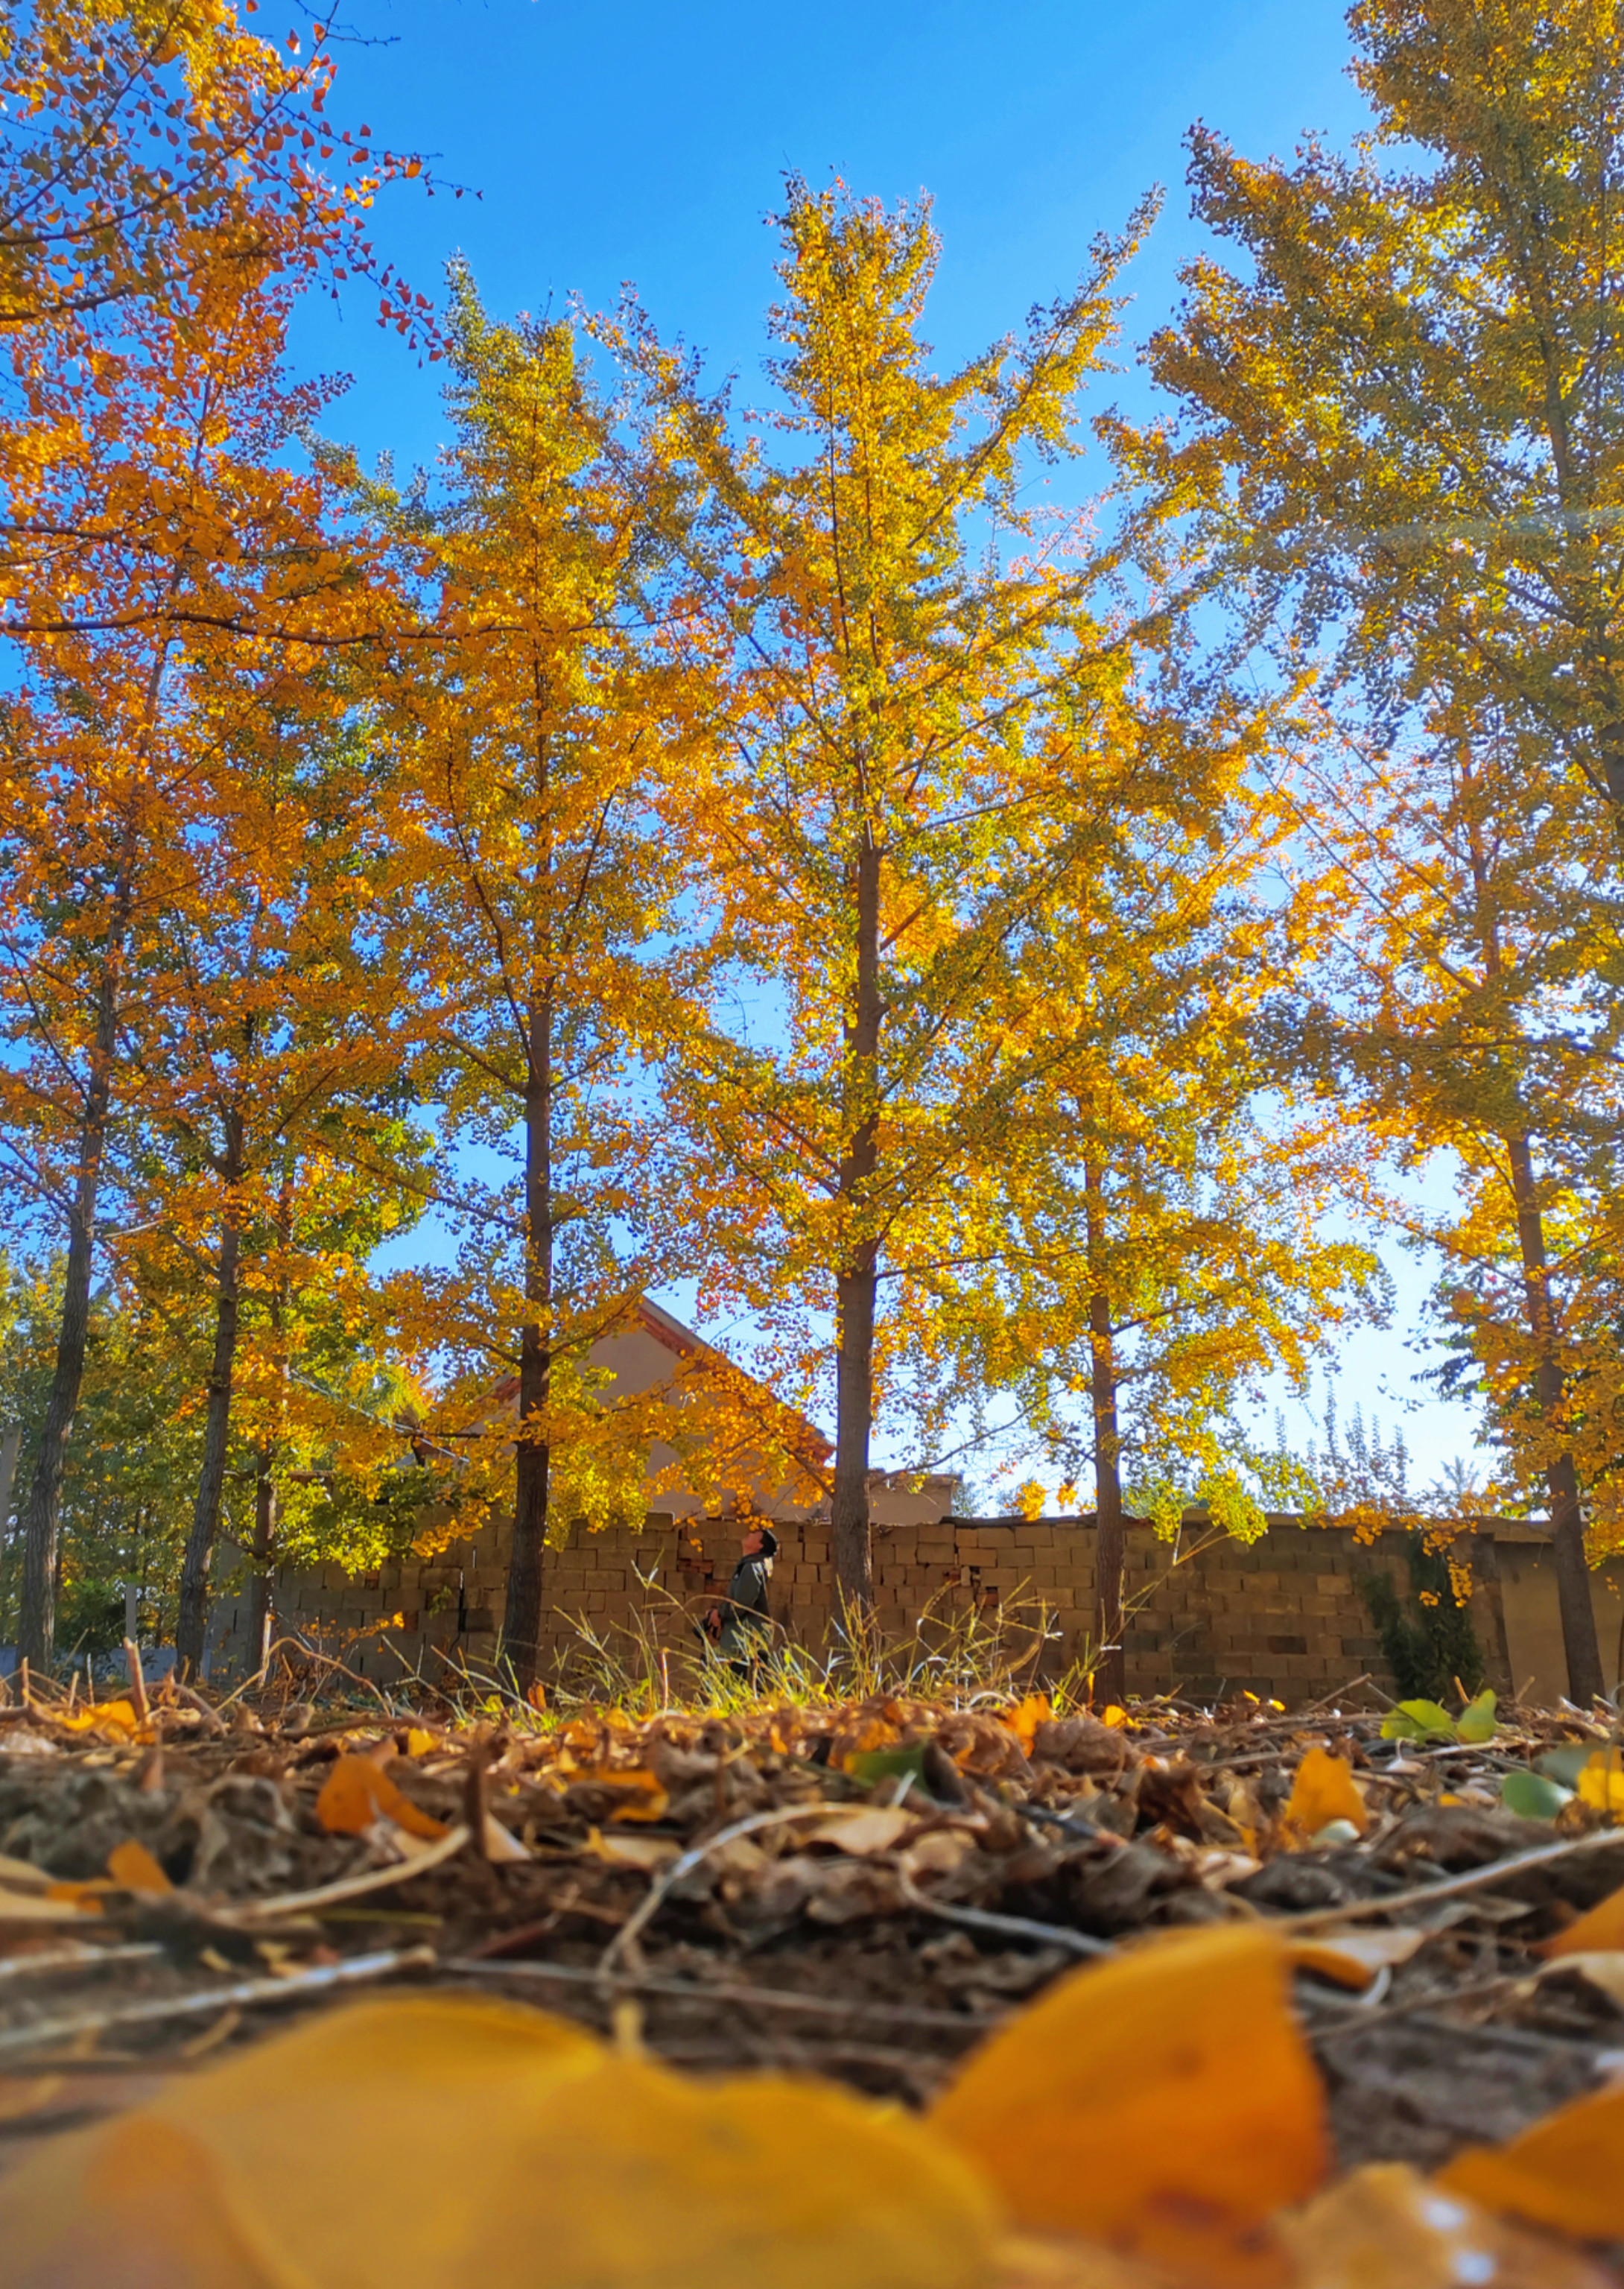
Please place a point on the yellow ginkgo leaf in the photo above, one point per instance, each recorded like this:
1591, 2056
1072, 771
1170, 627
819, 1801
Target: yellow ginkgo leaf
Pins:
1025, 1719
1601, 1782
356, 1791
555, 2162
1322, 1791
1353, 1958
419, 1743
132, 1865
1598, 1930
1566, 2172
1163, 2103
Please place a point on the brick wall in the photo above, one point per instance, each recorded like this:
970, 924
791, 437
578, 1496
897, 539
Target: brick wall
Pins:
1281, 1617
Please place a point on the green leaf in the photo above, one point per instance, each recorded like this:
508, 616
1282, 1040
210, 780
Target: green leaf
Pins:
1476, 1719
1533, 1796
1418, 1720
1565, 1765
867, 1766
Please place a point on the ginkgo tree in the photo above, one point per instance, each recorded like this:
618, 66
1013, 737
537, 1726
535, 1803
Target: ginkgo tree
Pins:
185, 525
1467, 926
934, 688
1153, 1240
1405, 364
536, 866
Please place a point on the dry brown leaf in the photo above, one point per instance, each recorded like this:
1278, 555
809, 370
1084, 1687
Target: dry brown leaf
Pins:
1353, 1958
1384, 2227
1323, 1791
357, 1791
1163, 2103
1567, 2172
864, 1829
646, 1852
45, 1908
283, 2166
132, 1867
21, 2095
501, 1844
1600, 1929
1603, 1968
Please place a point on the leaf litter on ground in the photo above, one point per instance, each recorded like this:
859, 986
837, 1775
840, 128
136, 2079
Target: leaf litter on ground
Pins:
1323, 1951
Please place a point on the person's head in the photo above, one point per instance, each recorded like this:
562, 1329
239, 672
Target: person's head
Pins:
759, 1541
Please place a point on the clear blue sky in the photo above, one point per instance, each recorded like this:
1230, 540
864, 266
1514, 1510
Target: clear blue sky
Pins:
648, 142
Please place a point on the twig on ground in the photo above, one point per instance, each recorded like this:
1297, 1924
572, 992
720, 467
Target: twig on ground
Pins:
296, 1986
1449, 1887
348, 1888
1076, 1942
770, 1998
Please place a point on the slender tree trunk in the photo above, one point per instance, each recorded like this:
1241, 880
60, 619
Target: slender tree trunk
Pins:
1579, 1637
36, 1629
262, 1589
1109, 1546
857, 1285
522, 1618
261, 1586
193, 1623
10, 1447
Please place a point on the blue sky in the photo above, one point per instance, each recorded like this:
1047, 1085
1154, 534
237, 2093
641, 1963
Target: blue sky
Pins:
648, 143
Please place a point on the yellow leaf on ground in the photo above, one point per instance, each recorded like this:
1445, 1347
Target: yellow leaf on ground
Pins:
1601, 1782
1028, 2262
1353, 1958
132, 1865
644, 1796
1163, 2103
1600, 1927
356, 1791
1322, 1791
1384, 2227
1114, 1713
1025, 1719
1567, 2172
118, 1718
419, 1743
555, 2162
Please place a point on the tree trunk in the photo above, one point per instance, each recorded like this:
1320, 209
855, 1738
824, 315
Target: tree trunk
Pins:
11, 1446
1110, 1548
193, 1623
857, 1283
521, 1618
1567, 1529
36, 1629
261, 1591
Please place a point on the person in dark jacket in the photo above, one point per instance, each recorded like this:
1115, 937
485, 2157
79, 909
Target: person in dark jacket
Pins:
741, 1626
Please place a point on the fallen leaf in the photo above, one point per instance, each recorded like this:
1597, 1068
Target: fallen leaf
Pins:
646, 1852
1353, 1958
419, 1743
1031, 2261
1533, 1796
1113, 1714
1418, 1720
1567, 2172
118, 1718
357, 1791
283, 2164
1025, 1719
1603, 1967
1477, 1720
644, 1795
133, 1866
1323, 1791
866, 1829
501, 1844
1164, 2103
1384, 2227
1599, 1928
1601, 1782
